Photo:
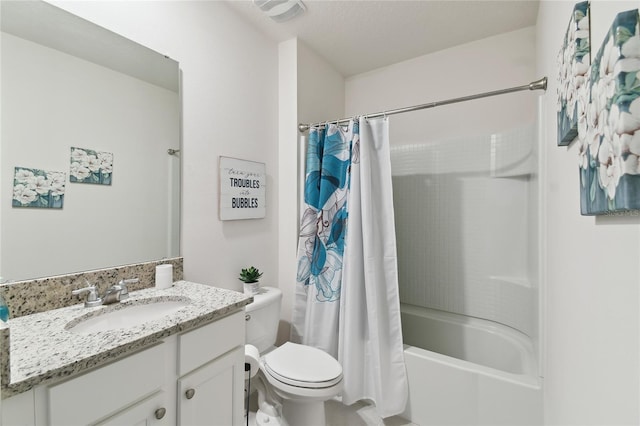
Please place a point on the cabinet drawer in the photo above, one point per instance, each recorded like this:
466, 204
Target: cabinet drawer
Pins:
199, 346
94, 395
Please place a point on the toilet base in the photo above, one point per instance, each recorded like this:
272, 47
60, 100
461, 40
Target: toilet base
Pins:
303, 413
264, 419
294, 414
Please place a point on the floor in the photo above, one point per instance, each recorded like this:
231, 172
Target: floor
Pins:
358, 414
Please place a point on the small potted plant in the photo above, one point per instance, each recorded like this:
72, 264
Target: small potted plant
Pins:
250, 277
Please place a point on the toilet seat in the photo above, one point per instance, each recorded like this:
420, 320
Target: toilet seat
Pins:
303, 366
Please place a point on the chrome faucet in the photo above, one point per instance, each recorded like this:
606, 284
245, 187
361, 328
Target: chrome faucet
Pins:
112, 295
92, 298
124, 294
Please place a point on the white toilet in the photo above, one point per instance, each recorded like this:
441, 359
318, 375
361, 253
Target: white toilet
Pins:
293, 380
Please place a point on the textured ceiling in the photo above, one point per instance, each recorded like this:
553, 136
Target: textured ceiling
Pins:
361, 35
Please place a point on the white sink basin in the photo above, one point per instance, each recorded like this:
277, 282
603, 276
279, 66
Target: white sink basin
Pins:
125, 316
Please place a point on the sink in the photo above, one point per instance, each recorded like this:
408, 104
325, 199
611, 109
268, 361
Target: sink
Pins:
125, 316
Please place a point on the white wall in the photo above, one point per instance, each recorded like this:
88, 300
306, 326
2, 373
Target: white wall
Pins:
494, 63
463, 205
229, 107
52, 102
321, 89
592, 300
310, 91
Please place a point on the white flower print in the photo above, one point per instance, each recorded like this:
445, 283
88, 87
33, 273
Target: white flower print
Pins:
23, 175
90, 166
79, 171
24, 195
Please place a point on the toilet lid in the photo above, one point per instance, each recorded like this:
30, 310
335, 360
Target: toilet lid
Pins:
303, 366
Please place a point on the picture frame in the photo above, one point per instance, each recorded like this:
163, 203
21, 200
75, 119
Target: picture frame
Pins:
242, 193
89, 166
573, 65
38, 188
609, 152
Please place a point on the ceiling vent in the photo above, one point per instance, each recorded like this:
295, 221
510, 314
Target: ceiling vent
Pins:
280, 10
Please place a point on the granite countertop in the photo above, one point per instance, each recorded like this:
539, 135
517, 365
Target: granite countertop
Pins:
43, 350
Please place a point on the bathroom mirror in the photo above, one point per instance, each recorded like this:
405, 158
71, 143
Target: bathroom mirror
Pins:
73, 92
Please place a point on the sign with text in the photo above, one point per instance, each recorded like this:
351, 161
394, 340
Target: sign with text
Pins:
242, 189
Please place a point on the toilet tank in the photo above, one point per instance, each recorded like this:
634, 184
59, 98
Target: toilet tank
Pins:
262, 318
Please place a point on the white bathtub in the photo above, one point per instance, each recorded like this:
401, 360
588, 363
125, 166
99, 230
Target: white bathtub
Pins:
468, 371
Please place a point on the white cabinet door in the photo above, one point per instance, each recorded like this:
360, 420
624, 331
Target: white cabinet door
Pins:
212, 394
151, 411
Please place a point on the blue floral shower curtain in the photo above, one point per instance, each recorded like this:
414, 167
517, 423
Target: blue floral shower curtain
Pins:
322, 236
346, 298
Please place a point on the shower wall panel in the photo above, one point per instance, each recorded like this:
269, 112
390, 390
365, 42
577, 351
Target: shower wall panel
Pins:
462, 220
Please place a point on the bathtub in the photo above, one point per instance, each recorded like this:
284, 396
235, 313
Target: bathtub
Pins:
468, 371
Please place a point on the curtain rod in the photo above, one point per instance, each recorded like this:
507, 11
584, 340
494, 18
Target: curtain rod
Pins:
535, 85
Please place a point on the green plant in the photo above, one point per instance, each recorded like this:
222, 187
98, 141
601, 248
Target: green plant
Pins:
250, 275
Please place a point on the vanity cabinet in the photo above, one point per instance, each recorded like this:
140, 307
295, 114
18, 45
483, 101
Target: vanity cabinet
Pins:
189, 379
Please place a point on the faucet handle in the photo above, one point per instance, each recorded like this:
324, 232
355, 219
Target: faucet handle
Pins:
92, 298
124, 294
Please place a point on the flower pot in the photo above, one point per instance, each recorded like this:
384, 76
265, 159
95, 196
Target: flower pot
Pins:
251, 288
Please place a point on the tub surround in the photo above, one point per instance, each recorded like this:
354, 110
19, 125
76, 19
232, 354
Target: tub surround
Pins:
41, 350
44, 294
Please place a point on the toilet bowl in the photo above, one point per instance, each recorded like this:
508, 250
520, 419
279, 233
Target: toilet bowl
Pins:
294, 380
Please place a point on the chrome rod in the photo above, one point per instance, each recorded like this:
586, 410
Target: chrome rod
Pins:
535, 85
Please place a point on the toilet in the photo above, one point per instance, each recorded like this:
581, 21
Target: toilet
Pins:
293, 380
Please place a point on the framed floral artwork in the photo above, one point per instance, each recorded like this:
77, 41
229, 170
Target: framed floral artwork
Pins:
609, 152
38, 188
88, 166
573, 64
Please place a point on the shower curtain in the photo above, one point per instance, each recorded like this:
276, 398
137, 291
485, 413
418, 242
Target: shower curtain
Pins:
347, 300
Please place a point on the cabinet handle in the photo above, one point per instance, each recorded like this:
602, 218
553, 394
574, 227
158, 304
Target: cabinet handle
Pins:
190, 393
247, 317
160, 412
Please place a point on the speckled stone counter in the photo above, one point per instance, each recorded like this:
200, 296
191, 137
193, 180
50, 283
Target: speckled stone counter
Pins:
42, 350
43, 294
